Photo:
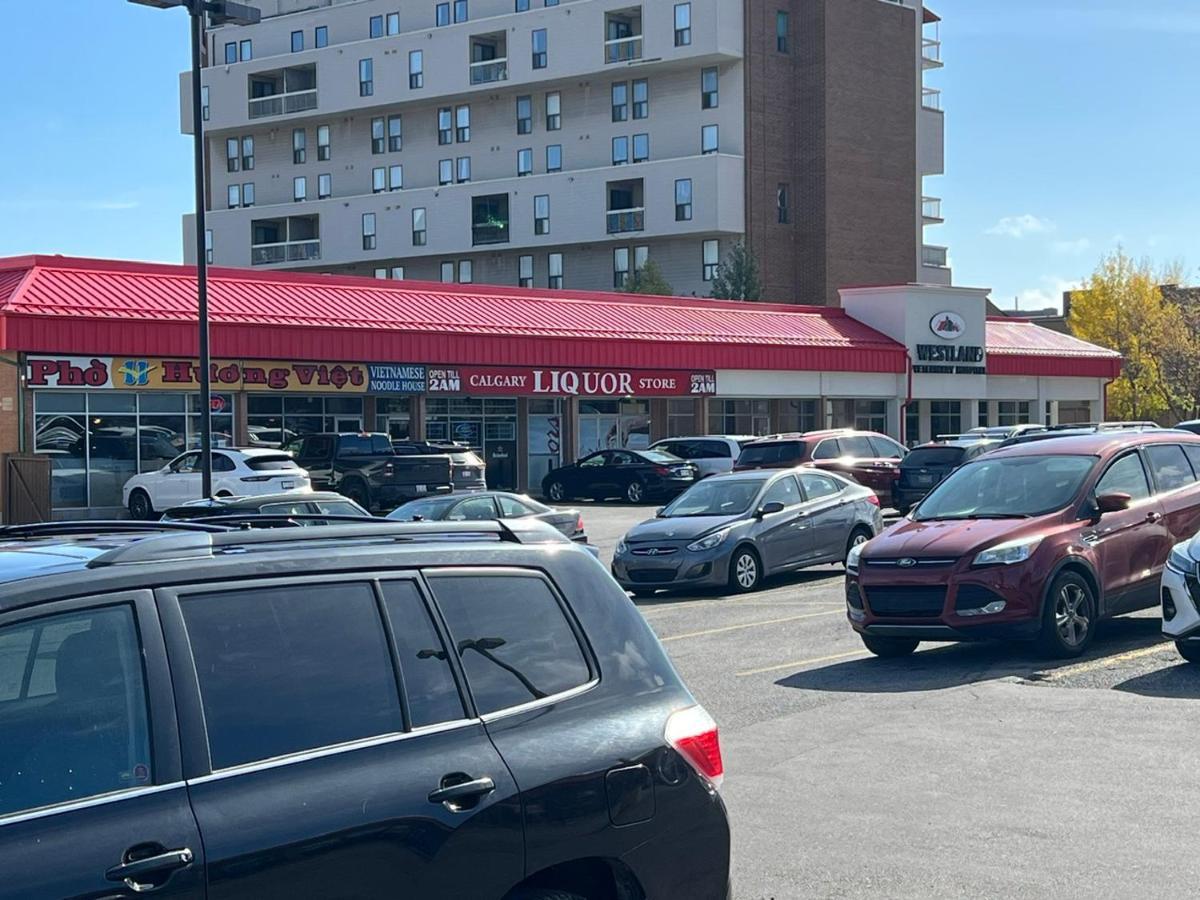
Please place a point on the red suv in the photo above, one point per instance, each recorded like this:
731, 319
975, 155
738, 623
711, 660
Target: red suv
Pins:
871, 459
1034, 541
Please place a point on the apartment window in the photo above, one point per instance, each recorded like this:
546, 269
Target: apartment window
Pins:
641, 255
620, 151
393, 23
448, 272
620, 267
366, 78
378, 142
683, 200
321, 36
525, 271
233, 159
204, 102
246, 51
708, 139
641, 147
463, 169
299, 146
376, 27
324, 186
460, 10
368, 231
248, 194
299, 188
781, 203
381, 274
234, 196
712, 259
554, 158
323, 149
541, 214
782, 27
418, 227
231, 53
397, 273
541, 55
522, 6
378, 180
553, 111
524, 162
445, 125
416, 69
554, 271
462, 124
445, 171
620, 101
395, 178
297, 41
550, 3
465, 271
683, 24
395, 132
208, 246
641, 98
490, 222
709, 97
524, 115
443, 14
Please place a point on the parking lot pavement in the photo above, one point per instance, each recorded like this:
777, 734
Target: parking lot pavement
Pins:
966, 770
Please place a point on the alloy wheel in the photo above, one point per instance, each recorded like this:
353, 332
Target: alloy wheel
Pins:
746, 571
556, 491
1071, 615
634, 492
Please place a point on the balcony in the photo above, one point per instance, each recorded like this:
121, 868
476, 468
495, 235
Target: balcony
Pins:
489, 58
623, 221
295, 239
934, 257
290, 251
931, 53
626, 210
931, 210
623, 35
490, 223
931, 99
283, 92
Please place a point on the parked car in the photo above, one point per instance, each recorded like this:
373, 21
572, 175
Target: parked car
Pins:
1192, 425
235, 473
363, 467
1054, 431
869, 458
711, 455
735, 530
1000, 432
353, 710
1181, 598
633, 475
927, 465
1034, 541
314, 504
488, 506
468, 471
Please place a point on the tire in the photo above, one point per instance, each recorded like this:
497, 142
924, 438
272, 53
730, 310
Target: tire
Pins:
355, 490
745, 571
140, 506
1068, 617
1189, 650
635, 492
889, 647
859, 535
556, 492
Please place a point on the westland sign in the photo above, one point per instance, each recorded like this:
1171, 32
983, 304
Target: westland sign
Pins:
948, 359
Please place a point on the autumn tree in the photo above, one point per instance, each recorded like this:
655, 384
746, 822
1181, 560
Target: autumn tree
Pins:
648, 280
1178, 359
737, 277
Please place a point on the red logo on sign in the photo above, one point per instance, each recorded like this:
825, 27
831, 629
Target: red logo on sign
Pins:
217, 404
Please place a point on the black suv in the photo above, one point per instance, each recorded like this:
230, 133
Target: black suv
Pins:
446, 710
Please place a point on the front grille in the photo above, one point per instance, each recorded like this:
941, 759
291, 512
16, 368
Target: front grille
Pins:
974, 596
853, 596
909, 562
911, 601
654, 551
651, 576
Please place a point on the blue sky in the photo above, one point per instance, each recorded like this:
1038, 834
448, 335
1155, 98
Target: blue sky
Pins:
1070, 129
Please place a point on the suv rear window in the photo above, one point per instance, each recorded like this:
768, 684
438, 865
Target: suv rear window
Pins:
783, 451
279, 463
364, 445
934, 456
513, 638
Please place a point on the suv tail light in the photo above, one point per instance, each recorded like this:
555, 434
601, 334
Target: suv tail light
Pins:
693, 733
257, 477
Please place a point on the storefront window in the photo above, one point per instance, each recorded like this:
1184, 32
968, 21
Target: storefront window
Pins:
945, 417
864, 415
274, 420
393, 417
681, 418
797, 415
983, 414
545, 438
1074, 412
912, 423
607, 424
1014, 412
489, 427
740, 417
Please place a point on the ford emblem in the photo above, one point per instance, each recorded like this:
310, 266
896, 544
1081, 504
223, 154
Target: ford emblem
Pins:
907, 563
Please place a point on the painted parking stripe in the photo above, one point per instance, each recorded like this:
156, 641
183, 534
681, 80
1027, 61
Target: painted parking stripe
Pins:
801, 663
708, 631
1103, 662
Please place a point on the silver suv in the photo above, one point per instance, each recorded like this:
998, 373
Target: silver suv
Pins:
712, 454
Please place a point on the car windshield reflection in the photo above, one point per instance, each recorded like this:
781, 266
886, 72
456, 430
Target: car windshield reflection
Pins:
1006, 488
716, 498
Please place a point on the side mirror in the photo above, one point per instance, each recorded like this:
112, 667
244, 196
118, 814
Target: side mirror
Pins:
769, 509
1110, 503
658, 513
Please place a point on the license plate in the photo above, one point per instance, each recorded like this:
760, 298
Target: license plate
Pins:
287, 485
422, 489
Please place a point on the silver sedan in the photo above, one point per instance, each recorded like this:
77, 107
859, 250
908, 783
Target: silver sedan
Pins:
735, 530
481, 506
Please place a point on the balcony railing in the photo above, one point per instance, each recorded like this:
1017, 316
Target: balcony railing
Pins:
931, 51
492, 231
623, 49
489, 70
283, 104
933, 256
623, 220
288, 251
931, 208
931, 98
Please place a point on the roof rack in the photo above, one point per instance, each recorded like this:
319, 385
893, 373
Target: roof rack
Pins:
100, 526
252, 519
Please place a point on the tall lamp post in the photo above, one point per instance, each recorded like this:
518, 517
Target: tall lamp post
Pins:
220, 12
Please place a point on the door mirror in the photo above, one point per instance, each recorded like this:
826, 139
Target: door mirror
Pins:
1110, 503
658, 513
769, 509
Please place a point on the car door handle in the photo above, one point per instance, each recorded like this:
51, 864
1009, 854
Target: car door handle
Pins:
1153, 517
130, 872
476, 787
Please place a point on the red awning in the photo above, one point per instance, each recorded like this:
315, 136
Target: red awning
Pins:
1021, 347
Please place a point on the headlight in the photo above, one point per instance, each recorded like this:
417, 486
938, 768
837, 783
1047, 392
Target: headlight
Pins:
1181, 561
707, 543
853, 555
621, 548
1009, 553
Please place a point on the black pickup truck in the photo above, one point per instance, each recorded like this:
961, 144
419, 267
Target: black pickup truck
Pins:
365, 468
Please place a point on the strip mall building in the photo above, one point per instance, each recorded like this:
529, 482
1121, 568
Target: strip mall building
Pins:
98, 367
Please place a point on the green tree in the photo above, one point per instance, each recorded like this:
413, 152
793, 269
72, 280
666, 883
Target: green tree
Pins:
648, 280
737, 277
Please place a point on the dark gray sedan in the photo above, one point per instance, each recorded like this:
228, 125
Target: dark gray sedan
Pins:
487, 505
735, 530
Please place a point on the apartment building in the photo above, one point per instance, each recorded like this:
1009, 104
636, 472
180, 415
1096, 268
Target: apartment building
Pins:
562, 144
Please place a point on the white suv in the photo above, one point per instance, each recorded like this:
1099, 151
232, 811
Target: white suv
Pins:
236, 473
712, 454
1181, 599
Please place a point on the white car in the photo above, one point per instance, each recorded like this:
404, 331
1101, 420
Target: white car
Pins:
1181, 599
236, 473
712, 454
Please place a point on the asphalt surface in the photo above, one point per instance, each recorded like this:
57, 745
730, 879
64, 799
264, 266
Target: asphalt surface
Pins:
977, 770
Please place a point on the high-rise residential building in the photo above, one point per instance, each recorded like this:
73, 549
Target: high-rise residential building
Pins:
562, 144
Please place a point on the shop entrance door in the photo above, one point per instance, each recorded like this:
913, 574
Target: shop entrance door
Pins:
598, 432
395, 427
502, 465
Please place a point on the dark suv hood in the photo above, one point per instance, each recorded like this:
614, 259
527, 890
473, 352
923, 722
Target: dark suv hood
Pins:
681, 528
955, 538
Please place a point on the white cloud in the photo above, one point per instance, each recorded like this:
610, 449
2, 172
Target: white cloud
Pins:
1046, 295
1072, 248
1020, 226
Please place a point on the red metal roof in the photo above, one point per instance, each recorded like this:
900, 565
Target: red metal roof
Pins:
1021, 347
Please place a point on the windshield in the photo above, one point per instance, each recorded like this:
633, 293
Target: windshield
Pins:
758, 454
934, 456
1013, 487
716, 498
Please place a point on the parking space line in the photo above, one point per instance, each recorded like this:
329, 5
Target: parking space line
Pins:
708, 631
801, 663
1101, 663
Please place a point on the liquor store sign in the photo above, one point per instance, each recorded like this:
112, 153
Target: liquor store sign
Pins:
519, 382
